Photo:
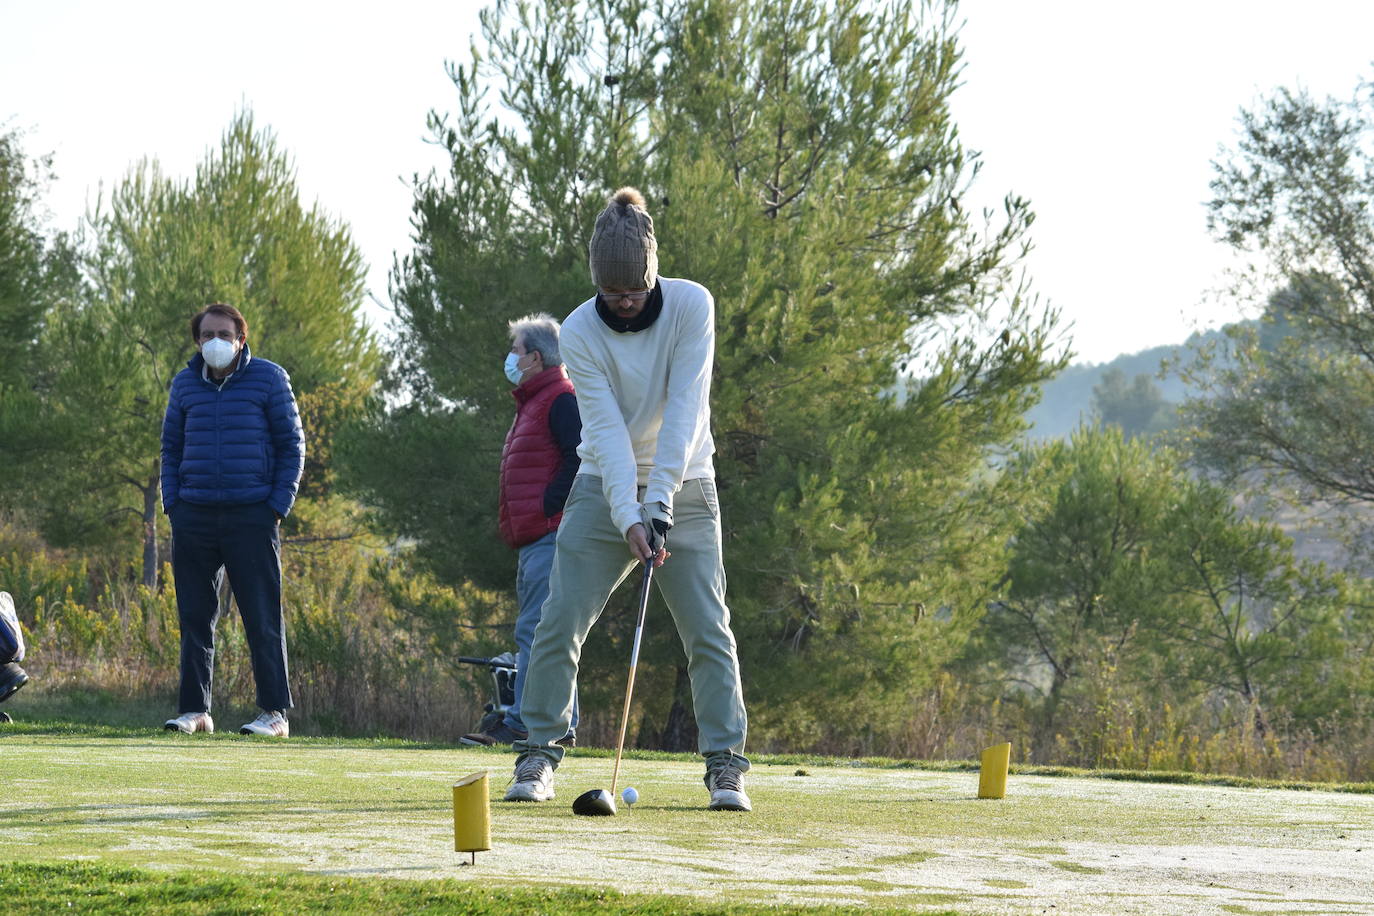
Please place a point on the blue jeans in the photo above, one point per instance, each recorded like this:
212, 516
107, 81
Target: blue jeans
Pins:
531, 588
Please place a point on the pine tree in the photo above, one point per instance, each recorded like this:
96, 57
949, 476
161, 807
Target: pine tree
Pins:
800, 161
156, 252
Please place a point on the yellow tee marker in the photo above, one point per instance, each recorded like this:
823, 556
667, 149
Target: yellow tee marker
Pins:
472, 815
992, 775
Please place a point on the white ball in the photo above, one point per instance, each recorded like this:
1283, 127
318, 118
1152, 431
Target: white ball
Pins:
630, 795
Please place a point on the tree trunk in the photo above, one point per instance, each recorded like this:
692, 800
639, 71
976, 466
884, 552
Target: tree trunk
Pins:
1044, 739
224, 588
150, 509
680, 731
1252, 699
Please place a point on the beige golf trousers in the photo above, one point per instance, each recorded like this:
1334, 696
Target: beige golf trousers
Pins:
591, 559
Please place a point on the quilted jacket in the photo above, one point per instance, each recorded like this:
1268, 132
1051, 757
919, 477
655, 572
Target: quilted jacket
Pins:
531, 460
236, 443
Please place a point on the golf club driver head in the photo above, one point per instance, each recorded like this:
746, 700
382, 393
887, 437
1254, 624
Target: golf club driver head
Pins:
12, 677
596, 803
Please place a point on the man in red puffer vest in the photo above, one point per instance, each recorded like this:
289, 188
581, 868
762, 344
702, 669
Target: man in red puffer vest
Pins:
538, 464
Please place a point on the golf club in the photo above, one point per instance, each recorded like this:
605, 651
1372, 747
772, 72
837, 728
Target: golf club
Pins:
599, 802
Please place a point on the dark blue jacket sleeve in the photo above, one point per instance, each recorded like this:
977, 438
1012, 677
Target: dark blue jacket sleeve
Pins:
566, 425
288, 443
173, 439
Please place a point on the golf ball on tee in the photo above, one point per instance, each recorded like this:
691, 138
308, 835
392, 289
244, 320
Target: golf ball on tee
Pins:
630, 795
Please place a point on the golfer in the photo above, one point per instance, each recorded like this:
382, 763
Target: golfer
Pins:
232, 455
640, 354
538, 464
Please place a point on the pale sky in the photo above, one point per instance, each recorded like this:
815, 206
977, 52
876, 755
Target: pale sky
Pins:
1105, 115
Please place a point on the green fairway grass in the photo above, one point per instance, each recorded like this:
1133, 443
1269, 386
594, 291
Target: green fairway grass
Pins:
140, 819
93, 889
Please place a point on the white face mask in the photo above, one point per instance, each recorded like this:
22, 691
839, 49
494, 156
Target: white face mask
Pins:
218, 353
513, 368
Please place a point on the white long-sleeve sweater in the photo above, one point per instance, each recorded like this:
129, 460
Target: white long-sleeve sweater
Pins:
644, 397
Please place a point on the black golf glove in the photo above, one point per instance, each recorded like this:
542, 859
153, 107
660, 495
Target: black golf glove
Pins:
660, 523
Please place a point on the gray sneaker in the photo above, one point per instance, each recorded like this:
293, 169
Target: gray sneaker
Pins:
188, 723
726, 784
270, 723
533, 779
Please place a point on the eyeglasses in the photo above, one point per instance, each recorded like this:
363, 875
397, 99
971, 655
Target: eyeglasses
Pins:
634, 298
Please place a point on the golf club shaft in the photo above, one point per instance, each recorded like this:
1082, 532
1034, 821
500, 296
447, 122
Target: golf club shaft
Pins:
634, 663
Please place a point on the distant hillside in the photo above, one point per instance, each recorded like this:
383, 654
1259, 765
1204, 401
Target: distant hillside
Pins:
1067, 399
1320, 531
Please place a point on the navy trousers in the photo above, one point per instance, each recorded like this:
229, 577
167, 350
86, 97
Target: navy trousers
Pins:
246, 542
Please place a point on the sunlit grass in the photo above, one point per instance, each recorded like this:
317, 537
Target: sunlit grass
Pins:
92, 889
240, 824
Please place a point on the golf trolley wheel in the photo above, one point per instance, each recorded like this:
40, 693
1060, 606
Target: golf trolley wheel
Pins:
5, 718
12, 677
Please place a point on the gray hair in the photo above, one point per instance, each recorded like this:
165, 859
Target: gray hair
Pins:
539, 332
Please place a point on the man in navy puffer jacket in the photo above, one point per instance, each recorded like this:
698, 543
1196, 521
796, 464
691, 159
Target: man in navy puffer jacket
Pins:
232, 455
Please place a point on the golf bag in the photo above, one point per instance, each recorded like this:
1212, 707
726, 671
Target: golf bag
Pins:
503, 674
12, 677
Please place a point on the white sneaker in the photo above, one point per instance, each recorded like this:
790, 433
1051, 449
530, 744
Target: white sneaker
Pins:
272, 724
188, 723
533, 779
726, 782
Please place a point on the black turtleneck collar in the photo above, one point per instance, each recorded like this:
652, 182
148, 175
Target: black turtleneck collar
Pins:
646, 317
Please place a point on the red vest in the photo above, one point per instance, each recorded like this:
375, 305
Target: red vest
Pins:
530, 459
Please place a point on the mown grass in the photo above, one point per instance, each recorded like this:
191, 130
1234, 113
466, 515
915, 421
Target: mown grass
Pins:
99, 715
136, 819
41, 888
